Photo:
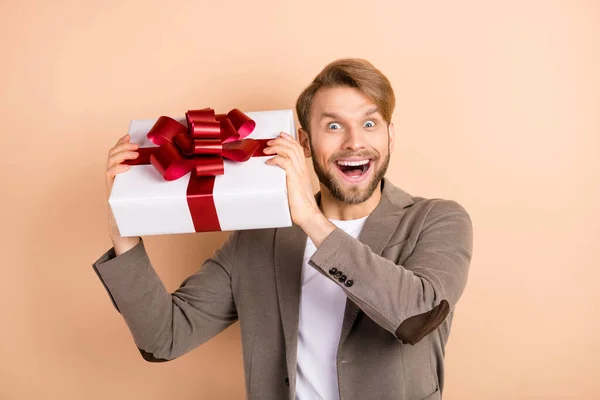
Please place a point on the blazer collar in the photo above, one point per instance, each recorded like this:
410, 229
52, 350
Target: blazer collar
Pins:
290, 244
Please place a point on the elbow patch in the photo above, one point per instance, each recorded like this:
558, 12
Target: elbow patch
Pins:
150, 357
415, 328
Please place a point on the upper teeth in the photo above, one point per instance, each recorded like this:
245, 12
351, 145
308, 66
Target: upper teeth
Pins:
353, 163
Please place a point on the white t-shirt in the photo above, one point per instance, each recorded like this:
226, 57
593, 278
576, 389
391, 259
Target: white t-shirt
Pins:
322, 305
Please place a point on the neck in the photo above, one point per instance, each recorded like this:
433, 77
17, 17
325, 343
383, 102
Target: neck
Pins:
335, 209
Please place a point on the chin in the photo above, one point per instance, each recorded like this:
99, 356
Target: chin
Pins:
348, 197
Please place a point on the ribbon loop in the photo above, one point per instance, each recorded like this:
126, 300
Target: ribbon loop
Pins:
164, 130
201, 146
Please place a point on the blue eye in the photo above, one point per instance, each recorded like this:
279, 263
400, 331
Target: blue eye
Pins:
334, 126
369, 124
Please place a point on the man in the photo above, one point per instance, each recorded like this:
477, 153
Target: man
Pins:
354, 301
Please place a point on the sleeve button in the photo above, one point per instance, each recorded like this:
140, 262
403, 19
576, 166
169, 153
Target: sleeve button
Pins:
342, 278
349, 283
337, 274
332, 271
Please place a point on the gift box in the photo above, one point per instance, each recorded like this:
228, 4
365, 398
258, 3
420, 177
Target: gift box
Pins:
175, 188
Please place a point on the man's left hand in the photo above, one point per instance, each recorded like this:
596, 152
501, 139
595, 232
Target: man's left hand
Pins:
290, 157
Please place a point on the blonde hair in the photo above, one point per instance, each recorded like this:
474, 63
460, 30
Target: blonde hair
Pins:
351, 72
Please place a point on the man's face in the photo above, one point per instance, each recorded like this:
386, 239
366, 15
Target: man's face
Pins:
350, 143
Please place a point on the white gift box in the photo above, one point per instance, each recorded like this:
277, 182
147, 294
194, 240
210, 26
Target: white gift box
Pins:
249, 195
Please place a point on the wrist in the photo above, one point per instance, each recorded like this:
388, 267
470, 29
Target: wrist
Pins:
311, 216
318, 227
124, 244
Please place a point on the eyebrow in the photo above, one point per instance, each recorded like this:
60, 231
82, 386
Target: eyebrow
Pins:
336, 116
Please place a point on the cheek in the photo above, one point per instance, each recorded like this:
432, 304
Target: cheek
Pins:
323, 150
380, 144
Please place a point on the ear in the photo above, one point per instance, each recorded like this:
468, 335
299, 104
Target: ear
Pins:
304, 140
391, 136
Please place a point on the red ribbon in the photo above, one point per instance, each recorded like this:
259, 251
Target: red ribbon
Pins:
200, 148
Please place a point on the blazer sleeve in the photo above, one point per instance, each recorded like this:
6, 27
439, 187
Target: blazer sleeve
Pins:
413, 299
165, 326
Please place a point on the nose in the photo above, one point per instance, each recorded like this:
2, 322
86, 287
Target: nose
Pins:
353, 139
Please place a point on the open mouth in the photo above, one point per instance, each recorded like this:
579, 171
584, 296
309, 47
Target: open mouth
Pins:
354, 170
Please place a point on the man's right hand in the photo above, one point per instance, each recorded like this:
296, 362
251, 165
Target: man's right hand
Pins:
123, 150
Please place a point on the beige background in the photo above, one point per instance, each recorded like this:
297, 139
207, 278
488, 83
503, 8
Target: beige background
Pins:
505, 97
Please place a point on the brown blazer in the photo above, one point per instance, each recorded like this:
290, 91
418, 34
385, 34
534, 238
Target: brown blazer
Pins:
403, 278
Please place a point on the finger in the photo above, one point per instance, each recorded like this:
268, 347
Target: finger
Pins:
288, 137
121, 156
123, 139
282, 162
123, 146
283, 141
288, 151
281, 150
291, 145
117, 169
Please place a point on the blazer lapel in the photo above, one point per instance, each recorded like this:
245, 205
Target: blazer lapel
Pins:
377, 232
290, 244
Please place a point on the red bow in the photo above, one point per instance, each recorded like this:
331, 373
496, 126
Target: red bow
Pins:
202, 145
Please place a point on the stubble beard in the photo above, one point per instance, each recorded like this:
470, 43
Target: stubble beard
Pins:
353, 195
